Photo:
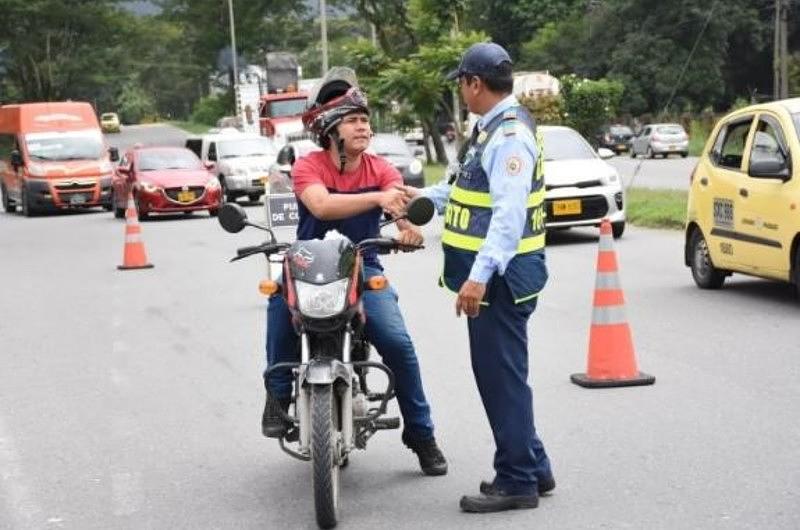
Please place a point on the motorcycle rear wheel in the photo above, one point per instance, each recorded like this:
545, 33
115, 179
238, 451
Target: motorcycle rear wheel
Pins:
324, 457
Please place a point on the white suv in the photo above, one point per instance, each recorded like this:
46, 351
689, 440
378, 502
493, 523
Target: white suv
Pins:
241, 161
581, 189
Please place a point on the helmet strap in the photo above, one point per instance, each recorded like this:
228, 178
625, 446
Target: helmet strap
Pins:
339, 147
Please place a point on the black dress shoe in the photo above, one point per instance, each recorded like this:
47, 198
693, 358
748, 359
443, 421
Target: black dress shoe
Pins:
546, 485
497, 501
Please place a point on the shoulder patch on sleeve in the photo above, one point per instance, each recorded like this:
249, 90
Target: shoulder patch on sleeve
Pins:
509, 127
513, 165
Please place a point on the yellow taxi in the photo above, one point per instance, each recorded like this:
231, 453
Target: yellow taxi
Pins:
743, 211
109, 122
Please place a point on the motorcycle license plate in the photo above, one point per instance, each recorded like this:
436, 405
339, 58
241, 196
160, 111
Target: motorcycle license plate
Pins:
567, 207
77, 199
186, 196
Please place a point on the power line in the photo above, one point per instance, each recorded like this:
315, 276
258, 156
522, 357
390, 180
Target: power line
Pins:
689, 59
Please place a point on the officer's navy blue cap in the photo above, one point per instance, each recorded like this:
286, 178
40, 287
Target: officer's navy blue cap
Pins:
482, 58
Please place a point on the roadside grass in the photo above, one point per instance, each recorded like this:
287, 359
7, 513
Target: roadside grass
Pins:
698, 135
433, 173
191, 126
656, 208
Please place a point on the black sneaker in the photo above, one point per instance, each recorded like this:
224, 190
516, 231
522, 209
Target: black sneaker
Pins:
273, 424
431, 459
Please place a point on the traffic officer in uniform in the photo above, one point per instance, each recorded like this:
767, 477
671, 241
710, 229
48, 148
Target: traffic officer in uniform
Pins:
493, 244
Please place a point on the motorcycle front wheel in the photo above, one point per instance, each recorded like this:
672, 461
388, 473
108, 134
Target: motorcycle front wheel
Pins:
324, 457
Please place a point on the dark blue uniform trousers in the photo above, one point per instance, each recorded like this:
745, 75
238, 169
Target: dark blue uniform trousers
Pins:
499, 348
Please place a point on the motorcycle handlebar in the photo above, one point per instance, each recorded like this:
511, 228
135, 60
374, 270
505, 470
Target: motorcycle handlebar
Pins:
264, 248
387, 244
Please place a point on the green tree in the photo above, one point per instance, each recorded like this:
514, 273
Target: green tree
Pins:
56, 50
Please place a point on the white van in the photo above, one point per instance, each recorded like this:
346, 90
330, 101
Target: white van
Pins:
241, 161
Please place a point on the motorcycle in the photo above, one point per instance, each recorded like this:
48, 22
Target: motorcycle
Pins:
332, 411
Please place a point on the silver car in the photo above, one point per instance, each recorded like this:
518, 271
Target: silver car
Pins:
395, 150
660, 139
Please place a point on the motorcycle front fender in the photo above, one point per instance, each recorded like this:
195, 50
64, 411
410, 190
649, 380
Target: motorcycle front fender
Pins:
325, 372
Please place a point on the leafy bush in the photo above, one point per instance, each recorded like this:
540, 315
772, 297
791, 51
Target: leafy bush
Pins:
209, 109
547, 109
589, 104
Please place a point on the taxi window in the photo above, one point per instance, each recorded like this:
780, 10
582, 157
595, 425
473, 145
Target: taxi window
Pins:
729, 146
768, 143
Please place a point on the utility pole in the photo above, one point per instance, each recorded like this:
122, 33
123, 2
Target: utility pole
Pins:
780, 84
233, 57
784, 49
323, 22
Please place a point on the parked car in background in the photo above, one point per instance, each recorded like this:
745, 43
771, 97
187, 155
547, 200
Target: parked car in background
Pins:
580, 187
394, 149
293, 150
164, 180
660, 139
616, 137
742, 211
109, 122
414, 136
241, 161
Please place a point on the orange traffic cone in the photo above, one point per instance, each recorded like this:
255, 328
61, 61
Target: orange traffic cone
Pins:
612, 361
135, 256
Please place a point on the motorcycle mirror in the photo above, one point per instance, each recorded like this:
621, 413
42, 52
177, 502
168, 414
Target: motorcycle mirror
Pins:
420, 210
232, 217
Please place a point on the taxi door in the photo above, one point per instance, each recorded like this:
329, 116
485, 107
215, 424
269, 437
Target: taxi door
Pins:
765, 202
719, 180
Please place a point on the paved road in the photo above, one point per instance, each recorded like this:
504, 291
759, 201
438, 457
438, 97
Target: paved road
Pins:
670, 173
132, 399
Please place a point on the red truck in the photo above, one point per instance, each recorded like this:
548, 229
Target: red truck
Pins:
281, 107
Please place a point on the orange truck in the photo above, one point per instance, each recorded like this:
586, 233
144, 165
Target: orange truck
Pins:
53, 156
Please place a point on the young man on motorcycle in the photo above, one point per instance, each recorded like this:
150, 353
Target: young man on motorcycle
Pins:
345, 189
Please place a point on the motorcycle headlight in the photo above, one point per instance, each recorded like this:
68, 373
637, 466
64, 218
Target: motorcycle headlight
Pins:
321, 301
415, 167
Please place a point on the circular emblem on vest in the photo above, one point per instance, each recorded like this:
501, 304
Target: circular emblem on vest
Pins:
513, 165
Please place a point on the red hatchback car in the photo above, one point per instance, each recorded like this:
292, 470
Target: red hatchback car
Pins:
164, 180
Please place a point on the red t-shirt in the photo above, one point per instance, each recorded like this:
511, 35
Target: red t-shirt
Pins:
373, 174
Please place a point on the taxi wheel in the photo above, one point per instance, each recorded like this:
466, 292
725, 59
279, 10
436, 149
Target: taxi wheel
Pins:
705, 275
650, 153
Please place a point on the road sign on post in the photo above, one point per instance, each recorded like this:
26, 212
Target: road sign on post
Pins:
282, 210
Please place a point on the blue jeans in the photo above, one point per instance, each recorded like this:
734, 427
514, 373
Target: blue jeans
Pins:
385, 329
498, 339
